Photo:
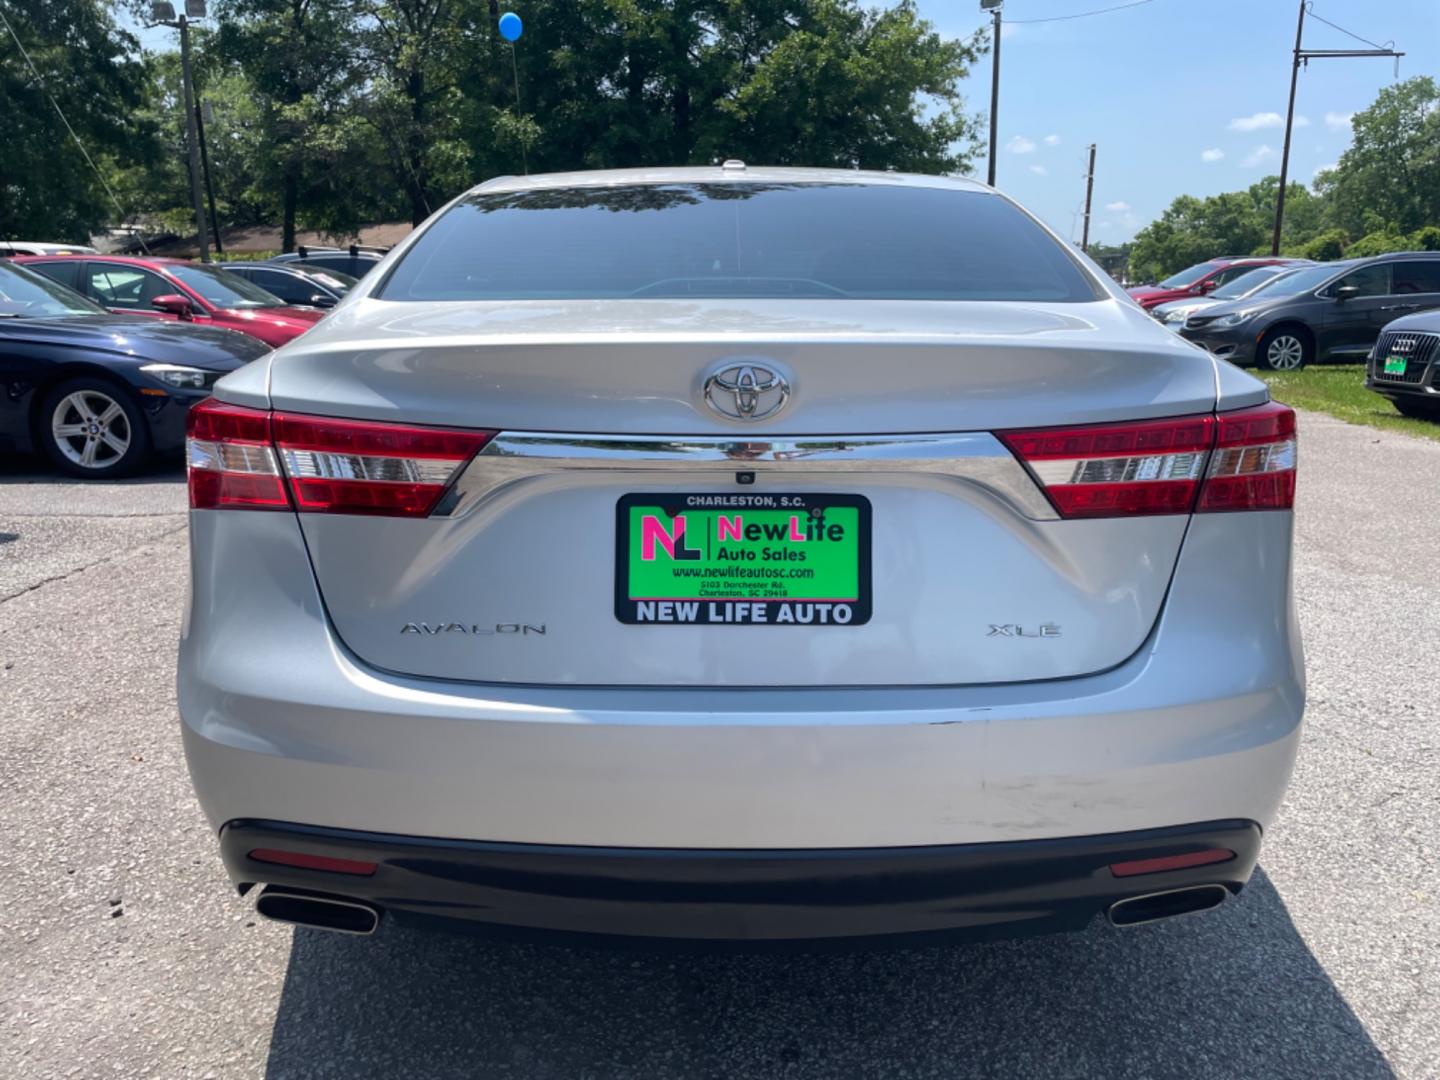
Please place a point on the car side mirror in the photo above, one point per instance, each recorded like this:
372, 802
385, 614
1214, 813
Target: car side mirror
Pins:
1208, 286
320, 300
1346, 292
174, 304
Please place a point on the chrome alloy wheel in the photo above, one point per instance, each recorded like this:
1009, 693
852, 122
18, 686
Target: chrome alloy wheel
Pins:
1285, 353
91, 429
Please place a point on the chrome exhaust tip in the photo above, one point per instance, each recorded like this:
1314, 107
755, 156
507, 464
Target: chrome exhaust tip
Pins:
1152, 907
317, 910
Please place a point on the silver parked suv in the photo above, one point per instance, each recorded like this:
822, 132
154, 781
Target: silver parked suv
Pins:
739, 553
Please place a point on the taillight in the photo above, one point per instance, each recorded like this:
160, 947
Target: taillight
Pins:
360, 467
1253, 467
320, 464
1116, 470
229, 459
1241, 460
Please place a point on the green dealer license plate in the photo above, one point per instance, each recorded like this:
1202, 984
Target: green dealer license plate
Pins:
743, 560
1395, 365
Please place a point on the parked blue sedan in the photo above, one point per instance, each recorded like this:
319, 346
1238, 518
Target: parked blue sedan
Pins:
99, 393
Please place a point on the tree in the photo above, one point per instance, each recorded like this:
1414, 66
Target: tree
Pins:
848, 87
413, 54
47, 189
298, 57
1390, 176
340, 111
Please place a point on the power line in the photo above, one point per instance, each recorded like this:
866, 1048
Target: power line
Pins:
1080, 14
1310, 10
85, 153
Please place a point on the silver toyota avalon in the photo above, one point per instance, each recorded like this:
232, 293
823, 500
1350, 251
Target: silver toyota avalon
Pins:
738, 553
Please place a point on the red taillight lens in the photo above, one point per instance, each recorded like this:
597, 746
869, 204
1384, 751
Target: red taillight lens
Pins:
1116, 470
1166, 466
359, 467
1253, 467
244, 458
229, 459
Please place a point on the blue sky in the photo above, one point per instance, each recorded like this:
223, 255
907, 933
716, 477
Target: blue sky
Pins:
1177, 94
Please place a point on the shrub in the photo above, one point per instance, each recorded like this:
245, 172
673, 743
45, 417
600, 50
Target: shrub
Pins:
1329, 245
1377, 243
1426, 239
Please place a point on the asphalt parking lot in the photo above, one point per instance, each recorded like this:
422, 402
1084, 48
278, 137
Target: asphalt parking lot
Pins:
124, 954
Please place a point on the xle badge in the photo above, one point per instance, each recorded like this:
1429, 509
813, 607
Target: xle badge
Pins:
1016, 630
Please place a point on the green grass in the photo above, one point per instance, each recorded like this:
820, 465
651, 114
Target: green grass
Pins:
1339, 389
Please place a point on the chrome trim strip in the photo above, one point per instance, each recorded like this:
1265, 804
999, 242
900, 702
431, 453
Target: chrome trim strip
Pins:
976, 459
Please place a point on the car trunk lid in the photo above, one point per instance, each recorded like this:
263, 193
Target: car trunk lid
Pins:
956, 566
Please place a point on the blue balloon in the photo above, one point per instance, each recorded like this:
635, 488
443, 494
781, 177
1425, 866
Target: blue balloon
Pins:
511, 26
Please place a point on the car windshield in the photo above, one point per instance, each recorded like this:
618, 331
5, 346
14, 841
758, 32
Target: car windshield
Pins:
753, 240
334, 280
1188, 277
221, 287
1298, 281
1246, 282
25, 294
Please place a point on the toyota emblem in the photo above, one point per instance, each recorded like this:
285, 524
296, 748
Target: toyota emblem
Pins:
746, 392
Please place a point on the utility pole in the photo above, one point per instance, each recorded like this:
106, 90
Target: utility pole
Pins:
1089, 191
1304, 56
192, 139
209, 183
994, 6
163, 12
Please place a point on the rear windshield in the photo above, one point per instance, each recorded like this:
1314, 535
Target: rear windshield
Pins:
747, 240
1188, 276
1245, 282
222, 288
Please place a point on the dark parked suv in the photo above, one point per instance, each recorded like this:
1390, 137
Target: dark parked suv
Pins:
1333, 311
1405, 364
356, 261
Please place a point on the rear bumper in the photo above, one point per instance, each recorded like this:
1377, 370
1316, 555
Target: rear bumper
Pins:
281, 723
729, 895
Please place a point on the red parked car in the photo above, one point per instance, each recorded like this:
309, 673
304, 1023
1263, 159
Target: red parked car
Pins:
1201, 279
177, 289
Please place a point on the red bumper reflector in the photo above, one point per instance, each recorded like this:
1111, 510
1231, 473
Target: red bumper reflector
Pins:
307, 861
1171, 862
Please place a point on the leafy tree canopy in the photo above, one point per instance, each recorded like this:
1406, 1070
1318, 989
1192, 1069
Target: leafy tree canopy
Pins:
90, 68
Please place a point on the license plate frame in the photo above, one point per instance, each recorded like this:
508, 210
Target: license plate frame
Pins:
781, 601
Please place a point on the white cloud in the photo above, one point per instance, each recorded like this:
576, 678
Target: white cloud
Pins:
1052, 140
1019, 144
1117, 206
1260, 154
1039, 170
1322, 168
1257, 121
1261, 120
1008, 30
1338, 121
1213, 154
